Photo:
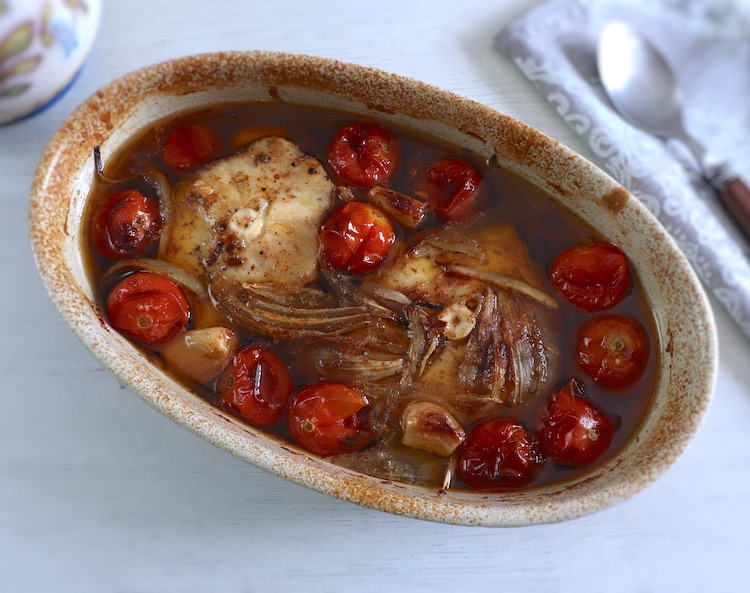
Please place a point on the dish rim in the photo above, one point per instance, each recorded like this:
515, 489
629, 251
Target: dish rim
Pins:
61, 167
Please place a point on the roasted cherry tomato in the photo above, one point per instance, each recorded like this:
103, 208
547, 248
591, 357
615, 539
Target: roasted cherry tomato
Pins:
357, 237
452, 187
497, 455
255, 385
148, 307
329, 418
575, 432
125, 223
613, 350
592, 276
190, 146
363, 154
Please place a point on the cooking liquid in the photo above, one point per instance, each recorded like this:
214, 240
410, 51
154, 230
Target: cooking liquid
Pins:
546, 228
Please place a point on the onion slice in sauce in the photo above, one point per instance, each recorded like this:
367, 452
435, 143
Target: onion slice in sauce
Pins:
513, 284
252, 310
161, 267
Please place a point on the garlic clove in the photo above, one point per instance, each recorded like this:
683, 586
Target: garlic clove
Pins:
201, 354
430, 427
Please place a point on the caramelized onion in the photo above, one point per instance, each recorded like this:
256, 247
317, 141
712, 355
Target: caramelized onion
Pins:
531, 354
453, 238
161, 267
506, 282
151, 176
347, 367
250, 308
380, 463
389, 295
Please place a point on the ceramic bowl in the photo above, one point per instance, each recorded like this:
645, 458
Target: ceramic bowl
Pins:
687, 341
43, 45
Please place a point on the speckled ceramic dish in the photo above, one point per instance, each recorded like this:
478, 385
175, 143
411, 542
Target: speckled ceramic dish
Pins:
687, 342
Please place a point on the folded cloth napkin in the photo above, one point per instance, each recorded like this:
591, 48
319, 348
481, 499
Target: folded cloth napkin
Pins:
707, 43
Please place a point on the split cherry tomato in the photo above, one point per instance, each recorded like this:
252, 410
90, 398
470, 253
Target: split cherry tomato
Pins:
190, 146
497, 455
148, 307
125, 223
329, 418
357, 237
592, 276
613, 350
255, 385
575, 432
363, 154
452, 187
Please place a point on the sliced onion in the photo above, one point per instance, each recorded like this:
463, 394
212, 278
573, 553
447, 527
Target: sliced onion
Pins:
478, 343
350, 294
450, 470
357, 368
417, 348
454, 237
302, 297
389, 295
250, 310
435, 245
163, 187
380, 463
506, 282
456, 399
161, 267
152, 176
531, 351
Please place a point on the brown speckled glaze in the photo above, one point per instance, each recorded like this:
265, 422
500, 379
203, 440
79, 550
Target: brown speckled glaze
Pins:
111, 116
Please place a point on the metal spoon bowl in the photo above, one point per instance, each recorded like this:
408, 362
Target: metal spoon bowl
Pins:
642, 87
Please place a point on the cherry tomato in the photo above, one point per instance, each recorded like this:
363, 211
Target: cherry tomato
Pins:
592, 276
497, 455
125, 223
329, 418
575, 432
363, 154
148, 307
190, 146
452, 187
255, 385
613, 350
357, 237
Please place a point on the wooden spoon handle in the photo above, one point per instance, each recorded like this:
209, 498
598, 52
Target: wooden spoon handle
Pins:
735, 195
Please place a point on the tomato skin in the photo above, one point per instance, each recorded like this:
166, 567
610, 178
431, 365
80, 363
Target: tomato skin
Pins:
452, 187
328, 418
575, 432
613, 350
148, 307
497, 455
190, 146
255, 385
592, 276
357, 237
125, 223
363, 154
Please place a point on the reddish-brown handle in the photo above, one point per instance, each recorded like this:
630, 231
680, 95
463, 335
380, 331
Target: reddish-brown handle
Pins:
735, 196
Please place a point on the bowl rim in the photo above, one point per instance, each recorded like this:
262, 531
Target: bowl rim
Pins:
52, 232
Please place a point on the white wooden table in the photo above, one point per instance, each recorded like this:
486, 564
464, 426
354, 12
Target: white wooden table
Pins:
99, 493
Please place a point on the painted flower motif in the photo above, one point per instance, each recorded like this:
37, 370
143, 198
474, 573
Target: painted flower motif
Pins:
20, 55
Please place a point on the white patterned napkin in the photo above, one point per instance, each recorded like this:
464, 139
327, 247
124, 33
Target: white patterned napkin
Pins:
708, 45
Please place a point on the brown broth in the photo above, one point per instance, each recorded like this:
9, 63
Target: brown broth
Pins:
545, 227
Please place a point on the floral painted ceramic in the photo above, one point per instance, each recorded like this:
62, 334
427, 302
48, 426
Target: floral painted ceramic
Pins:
43, 44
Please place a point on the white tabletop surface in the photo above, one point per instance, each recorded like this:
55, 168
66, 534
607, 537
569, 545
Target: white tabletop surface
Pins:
99, 493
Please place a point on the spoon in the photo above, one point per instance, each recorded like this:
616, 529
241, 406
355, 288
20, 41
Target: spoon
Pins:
642, 87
